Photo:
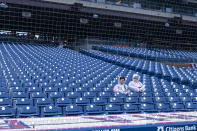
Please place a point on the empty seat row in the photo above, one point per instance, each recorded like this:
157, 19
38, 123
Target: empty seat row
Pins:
52, 110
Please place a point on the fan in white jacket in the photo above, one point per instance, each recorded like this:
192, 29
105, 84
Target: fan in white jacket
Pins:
135, 85
121, 87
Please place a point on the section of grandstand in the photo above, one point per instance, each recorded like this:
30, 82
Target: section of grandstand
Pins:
40, 80
160, 55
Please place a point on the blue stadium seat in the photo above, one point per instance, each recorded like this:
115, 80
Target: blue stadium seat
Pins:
146, 100
29, 84
180, 94
132, 100
177, 107
111, 109
51, 110
108, 89
174, 99
145, 94
41, 80
23, 102
104, 94
18, 89
92, 109
34, 89
7, 112
19, 95
192, 94
28, 111
158, 90
4, 95
45, 85
43, 102
194, 99
66, 89
159, 94
56, 95
161, 100
4, 89
170, 94
89, 94
131, 108
186, 99
73, 110
81, 89
163, 107
73, 95
63, 101
133, 94
36, 95
61, 84
14, 84
5, 102
119, 95
99, 101
94, 89
116, 100
50, 89
190, 106
147, 108
82, 101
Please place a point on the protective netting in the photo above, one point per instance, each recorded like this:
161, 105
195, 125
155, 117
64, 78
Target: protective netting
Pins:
70, 24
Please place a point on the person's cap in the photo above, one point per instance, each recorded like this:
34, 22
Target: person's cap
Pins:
136, 76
